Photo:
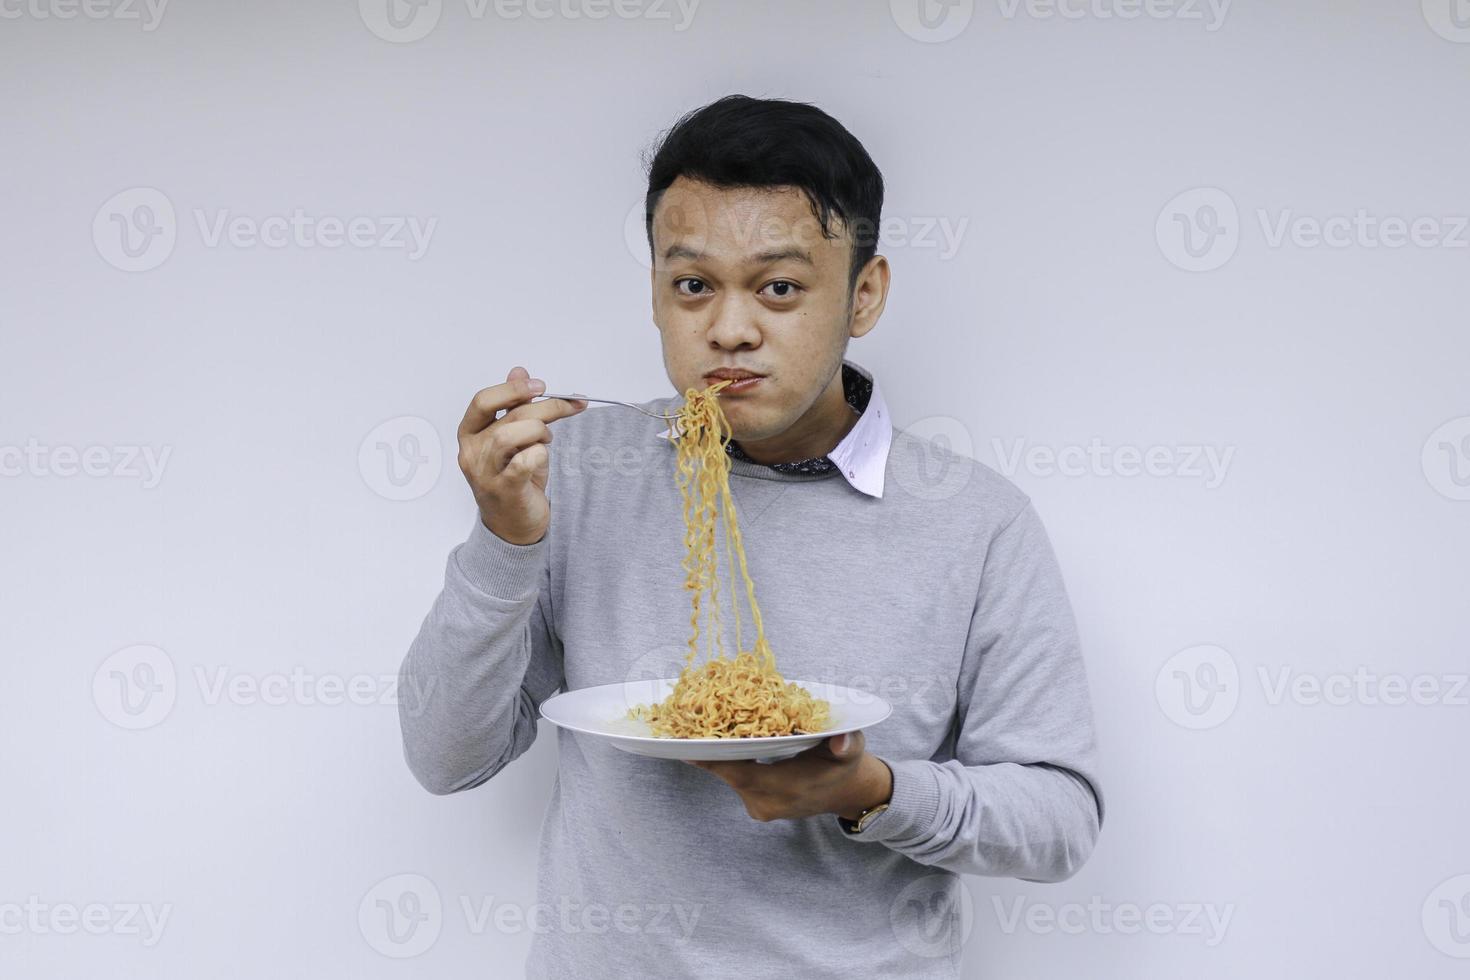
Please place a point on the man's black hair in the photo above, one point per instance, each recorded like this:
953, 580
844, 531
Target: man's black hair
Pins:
738, 141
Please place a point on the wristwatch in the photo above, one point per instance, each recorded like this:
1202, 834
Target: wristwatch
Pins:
863, 819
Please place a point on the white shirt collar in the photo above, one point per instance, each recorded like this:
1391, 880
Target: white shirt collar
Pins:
862, 455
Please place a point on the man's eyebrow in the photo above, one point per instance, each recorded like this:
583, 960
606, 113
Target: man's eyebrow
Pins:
760, 258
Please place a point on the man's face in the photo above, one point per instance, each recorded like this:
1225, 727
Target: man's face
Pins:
744, 278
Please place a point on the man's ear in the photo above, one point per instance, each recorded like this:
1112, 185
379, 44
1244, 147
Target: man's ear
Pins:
869, 295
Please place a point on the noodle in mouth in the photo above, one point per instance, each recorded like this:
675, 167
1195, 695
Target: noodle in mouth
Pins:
743, 697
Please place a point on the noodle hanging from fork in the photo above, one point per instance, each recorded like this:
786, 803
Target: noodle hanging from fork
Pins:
743, 697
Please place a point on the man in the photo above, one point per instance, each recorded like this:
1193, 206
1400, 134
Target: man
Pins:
881, 563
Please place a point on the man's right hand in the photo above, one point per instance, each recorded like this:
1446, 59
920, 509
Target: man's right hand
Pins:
506, 460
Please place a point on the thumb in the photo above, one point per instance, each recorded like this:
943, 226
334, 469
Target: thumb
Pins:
845, 745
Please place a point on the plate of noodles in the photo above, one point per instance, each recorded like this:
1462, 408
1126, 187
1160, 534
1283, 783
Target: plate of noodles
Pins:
627, 716
719, 707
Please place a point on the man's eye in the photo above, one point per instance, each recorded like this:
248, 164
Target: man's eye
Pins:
781, 289
697, 287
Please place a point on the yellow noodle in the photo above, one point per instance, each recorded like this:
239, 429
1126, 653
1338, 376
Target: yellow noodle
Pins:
743, 697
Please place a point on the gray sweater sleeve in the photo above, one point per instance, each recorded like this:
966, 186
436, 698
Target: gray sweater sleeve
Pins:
1021, 797
484, 659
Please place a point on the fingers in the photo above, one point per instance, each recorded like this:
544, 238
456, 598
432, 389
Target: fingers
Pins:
513, 396
517, 389
529, 462
508, 439
489, 446
846, 745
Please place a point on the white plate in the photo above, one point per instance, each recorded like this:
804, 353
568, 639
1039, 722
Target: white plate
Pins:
602, 712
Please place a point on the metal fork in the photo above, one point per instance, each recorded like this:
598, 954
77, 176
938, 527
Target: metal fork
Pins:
612, 401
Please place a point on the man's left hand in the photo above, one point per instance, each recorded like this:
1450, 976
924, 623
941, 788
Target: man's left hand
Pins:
837, 776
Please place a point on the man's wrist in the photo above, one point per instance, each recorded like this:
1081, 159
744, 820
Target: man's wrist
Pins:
873, 785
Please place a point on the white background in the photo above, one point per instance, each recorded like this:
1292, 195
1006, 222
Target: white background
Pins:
1329, 836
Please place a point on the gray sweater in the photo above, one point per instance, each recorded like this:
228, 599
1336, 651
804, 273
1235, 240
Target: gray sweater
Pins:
943, 596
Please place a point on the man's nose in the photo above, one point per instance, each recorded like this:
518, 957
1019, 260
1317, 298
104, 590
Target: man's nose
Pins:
733, 324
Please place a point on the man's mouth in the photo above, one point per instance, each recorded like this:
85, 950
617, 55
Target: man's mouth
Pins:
741, 380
